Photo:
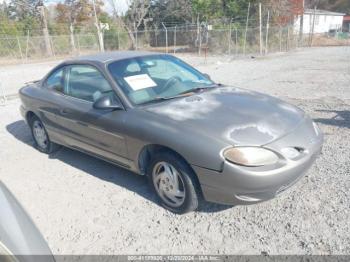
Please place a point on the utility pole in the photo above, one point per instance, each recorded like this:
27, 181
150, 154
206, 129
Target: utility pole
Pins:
260, 31
45, 30
246, 29
97, 24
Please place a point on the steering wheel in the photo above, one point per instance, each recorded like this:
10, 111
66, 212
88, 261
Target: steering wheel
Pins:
170, 82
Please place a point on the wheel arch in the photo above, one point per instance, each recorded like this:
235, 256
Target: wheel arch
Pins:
29, 115
145, 156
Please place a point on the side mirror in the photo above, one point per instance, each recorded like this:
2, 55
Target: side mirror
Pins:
58, 88
107, 103
207, 76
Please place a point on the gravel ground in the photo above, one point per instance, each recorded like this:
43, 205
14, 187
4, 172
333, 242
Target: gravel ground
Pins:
86, 206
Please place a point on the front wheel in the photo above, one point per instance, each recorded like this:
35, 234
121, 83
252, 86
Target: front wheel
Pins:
174, 183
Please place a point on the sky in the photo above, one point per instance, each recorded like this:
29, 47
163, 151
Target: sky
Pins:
121, 5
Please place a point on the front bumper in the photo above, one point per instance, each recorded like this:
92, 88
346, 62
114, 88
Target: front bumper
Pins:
240, 185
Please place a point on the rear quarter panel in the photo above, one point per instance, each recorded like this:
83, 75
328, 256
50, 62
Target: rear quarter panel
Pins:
37, 100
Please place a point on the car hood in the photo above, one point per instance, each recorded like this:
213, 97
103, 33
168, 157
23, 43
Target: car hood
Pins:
237, 116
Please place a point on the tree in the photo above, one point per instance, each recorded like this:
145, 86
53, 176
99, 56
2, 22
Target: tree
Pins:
171, 12
136, 16
207, 9
237, 9
24, 14
22, 9
342, 6
283, 11
77, 12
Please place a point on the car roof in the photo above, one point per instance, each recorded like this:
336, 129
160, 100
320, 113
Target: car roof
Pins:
105, 57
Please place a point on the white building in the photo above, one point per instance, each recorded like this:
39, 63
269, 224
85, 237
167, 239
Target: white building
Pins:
324, 21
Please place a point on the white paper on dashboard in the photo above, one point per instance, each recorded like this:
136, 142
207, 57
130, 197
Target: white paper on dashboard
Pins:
138, 82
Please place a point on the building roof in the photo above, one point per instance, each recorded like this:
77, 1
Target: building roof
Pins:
113, 56
322, 12
346, 18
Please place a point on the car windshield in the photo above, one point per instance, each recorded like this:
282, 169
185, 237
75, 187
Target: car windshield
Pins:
156, 77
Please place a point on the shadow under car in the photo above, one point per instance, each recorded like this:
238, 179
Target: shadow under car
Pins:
101, 169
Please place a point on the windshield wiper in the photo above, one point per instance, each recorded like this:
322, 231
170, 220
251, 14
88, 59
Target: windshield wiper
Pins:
163, 98
198, 89
182, 94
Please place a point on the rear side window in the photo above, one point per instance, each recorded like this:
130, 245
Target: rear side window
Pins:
56, 81
86, 82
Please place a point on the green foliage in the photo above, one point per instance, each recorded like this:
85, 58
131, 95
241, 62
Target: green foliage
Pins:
207, 9
342, 6
19, 16
171, 12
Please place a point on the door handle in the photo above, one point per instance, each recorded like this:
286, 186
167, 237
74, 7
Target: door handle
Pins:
82, 123
64, 111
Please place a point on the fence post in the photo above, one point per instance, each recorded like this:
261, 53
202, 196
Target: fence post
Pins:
174, 39
118, 39
19, 47
236, 42
198, 36
267, 32
246, 29
229, 38
260, 31
287, 49
156, 34
52, 46
280, 34
27, 44
136, 39
72, 42
166, 37
78, 43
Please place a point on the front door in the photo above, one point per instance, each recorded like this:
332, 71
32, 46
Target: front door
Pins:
97, 131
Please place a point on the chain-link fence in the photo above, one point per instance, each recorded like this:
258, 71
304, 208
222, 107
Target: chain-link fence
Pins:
35, 47
231, 41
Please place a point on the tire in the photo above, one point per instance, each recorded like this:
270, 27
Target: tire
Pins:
163, 171
40, 137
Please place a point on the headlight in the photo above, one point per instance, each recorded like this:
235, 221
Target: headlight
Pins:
250, 156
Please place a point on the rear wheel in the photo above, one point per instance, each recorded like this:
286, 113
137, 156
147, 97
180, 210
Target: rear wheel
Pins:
40, 136
174, 183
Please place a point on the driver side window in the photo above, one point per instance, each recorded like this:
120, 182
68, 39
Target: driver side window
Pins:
55, 80
86, 82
